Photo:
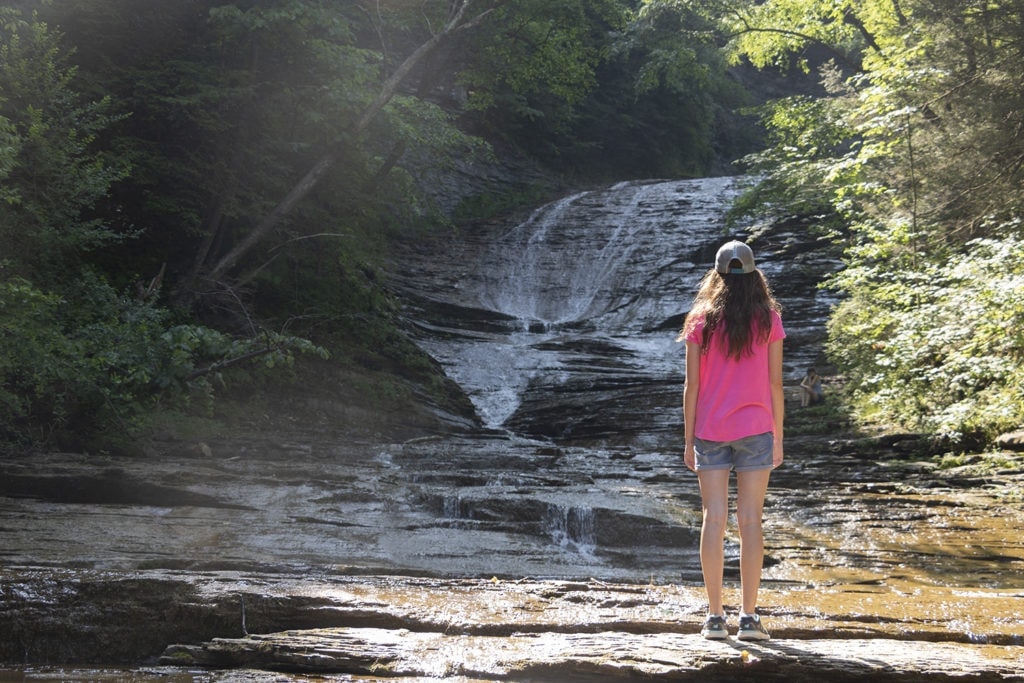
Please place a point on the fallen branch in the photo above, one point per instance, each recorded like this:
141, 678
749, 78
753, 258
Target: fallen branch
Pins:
220, 365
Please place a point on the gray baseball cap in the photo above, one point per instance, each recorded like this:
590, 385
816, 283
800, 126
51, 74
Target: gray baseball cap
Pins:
737, 251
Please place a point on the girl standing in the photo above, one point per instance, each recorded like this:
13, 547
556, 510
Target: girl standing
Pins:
733, 407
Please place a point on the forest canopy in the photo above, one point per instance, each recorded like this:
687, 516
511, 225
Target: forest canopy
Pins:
915, 160
197, 192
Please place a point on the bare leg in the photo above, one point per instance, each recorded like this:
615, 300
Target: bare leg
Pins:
714, 496
750, 491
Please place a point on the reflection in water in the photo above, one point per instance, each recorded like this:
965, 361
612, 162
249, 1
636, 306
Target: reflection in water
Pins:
853, 533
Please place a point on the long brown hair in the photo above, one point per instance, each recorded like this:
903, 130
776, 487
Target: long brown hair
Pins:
739, 303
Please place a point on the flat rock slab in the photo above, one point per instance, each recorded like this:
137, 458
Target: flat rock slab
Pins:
604, 656
478, 631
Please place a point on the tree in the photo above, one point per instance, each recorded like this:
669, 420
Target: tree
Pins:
918, 150
51, 173
78, 356
462, 14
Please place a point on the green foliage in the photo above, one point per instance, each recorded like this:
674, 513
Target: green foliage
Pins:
95, 360
665, 98
51, 174
78, 357
535, 64
803, 171
603, 90
535, 48
230, 110
781, 34
940, 346
917, 150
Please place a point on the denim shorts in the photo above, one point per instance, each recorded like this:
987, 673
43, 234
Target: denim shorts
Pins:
748, 453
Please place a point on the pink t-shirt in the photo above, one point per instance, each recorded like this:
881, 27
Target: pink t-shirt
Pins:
735, 398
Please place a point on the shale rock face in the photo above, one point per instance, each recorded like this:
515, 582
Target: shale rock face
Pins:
562, 326
1012, 441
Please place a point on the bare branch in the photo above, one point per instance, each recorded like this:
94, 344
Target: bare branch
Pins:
853, 20
220, 365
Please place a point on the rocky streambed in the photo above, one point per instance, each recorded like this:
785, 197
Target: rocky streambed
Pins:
488, 630
548, 535
878, 568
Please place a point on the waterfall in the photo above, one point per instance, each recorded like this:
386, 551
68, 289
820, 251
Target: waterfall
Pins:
583, 257
452, 507
592, 280
572, 528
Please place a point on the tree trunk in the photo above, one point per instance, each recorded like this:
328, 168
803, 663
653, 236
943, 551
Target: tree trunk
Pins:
457, 21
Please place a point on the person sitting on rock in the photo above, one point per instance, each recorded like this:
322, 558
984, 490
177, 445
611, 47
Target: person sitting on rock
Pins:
811, 391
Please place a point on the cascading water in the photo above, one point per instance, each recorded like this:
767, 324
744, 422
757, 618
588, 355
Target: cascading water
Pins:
572, 527
561, 329
591, 259
590, 287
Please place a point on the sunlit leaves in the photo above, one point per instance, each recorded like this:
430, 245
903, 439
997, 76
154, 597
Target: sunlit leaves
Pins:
777, 33
811, 145
918, 148
938, 347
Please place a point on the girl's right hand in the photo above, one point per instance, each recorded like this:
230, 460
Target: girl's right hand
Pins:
777, 455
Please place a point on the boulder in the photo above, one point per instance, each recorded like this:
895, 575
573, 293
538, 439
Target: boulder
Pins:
1011, 441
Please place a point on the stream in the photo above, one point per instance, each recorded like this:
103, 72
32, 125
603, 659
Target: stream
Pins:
560, 328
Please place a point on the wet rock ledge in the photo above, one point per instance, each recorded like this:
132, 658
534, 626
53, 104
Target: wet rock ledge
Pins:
601, 656
585, 631
229, 625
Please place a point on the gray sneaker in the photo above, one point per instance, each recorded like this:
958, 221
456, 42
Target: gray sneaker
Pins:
715, 628
751, 628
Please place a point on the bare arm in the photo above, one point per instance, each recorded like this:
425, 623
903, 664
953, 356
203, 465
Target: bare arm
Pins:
778, 399
690, 401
